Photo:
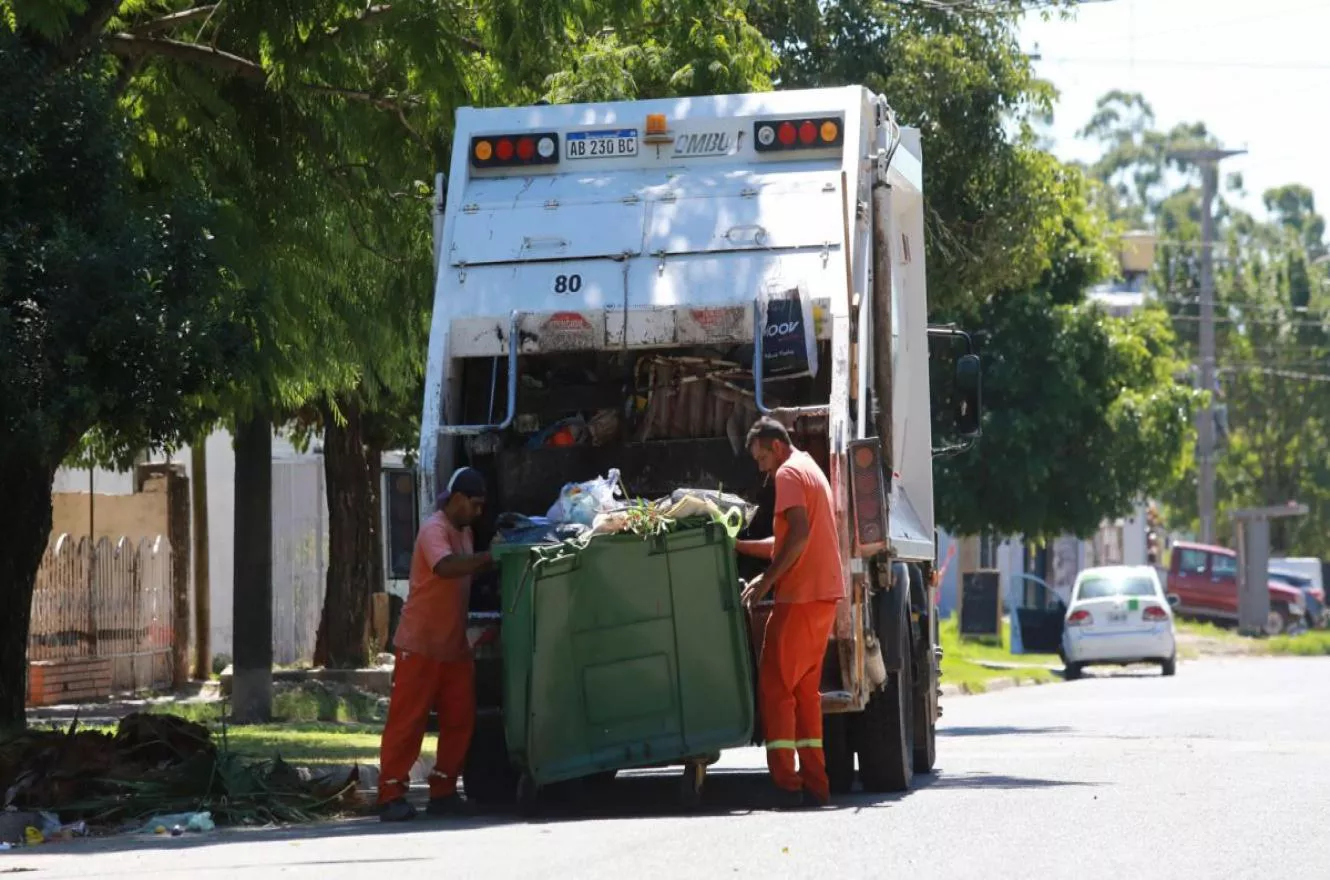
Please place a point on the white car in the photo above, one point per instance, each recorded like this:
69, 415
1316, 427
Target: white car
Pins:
1118, 615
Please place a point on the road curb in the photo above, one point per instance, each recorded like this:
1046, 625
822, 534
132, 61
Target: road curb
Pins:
994, 685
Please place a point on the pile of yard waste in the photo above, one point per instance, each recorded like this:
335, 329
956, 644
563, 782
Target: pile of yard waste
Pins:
602, 507
152, 766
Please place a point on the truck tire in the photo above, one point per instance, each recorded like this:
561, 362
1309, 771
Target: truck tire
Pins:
838, 751
488, 778
1278, 620
925, 714
883, 732
926, 674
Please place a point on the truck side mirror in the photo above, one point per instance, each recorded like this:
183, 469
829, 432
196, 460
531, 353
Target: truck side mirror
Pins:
969, 391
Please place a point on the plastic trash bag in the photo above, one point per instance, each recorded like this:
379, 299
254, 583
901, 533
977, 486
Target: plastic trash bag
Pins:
581, 502
198, 822
731, 511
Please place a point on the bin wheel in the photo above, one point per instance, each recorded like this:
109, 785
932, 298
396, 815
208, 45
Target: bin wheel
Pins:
602, 781
528, 794
690, 785
489, 778
839, 752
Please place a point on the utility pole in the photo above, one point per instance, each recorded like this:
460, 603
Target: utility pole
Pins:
1208, 160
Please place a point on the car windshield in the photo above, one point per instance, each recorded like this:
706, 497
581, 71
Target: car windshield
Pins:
1102, 587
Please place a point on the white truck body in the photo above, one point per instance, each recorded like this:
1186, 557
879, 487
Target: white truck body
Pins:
622, 240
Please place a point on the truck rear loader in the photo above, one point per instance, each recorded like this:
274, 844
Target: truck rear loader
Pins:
631, 285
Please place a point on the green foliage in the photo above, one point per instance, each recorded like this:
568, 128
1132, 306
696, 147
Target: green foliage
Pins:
665, 49
115, 312
1084, 403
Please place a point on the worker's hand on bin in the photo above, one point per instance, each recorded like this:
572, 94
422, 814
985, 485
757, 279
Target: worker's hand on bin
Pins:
754, 591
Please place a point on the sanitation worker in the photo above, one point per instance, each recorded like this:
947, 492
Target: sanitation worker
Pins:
805, 575
434, 668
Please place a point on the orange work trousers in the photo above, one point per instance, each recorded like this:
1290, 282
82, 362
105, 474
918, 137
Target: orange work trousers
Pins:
788, 676
419, 685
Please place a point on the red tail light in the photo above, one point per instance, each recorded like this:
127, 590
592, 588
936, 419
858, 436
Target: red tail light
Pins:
1155, 613
868, 497
1080, 617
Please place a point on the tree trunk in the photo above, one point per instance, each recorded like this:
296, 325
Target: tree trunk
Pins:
251, 686
198, 487
25, 522
350, 538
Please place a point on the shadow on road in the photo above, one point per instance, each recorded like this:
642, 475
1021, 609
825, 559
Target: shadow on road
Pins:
994, 782
1000, 730
642, 795
638, 795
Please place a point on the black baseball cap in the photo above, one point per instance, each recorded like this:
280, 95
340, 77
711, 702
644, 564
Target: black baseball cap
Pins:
465, 481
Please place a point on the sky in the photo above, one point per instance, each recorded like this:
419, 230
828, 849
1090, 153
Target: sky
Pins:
1256, 72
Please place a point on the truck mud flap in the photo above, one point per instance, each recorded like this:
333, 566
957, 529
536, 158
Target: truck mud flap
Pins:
887, 607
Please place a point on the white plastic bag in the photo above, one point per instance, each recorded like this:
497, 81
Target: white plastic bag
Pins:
197, 822
581, 502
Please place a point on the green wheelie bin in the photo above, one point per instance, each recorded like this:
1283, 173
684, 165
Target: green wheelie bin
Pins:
624, 652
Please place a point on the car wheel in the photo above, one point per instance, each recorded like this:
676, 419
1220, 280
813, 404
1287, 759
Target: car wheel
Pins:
1276, 622
1170, 666
1073, 671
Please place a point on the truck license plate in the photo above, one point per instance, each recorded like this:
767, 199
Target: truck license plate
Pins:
613, 143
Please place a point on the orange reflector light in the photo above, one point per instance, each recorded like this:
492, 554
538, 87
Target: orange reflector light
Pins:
484, 149
656, 123
829, 131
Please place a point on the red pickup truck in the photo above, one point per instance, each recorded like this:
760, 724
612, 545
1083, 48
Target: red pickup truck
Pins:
1205, 581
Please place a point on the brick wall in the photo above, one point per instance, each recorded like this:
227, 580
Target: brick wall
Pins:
52, 682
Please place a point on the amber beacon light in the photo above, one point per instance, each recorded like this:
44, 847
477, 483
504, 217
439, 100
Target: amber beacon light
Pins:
515, 150
811, 133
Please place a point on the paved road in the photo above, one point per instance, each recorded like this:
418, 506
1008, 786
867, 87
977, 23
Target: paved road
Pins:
1223, 771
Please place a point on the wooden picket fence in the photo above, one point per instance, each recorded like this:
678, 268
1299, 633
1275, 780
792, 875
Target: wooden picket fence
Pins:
102, 617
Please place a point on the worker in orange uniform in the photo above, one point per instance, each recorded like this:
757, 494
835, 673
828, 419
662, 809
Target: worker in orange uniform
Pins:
805, 574
435, 669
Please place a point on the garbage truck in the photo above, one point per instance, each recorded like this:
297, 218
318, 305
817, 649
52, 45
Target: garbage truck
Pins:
629, 286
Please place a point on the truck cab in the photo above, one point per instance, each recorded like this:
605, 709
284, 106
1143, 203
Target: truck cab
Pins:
631, 285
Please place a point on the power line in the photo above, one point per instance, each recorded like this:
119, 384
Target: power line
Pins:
1257, 321
1278, 372
1177, 62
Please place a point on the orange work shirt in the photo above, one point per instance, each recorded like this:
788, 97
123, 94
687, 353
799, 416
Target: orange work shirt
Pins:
816, 575
433, 621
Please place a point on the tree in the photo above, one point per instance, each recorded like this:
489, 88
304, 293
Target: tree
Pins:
315, 127
1086, 403
115, 312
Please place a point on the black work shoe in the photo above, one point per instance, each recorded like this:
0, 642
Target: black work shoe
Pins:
814, 801
449, 805
783, 799
397, 811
